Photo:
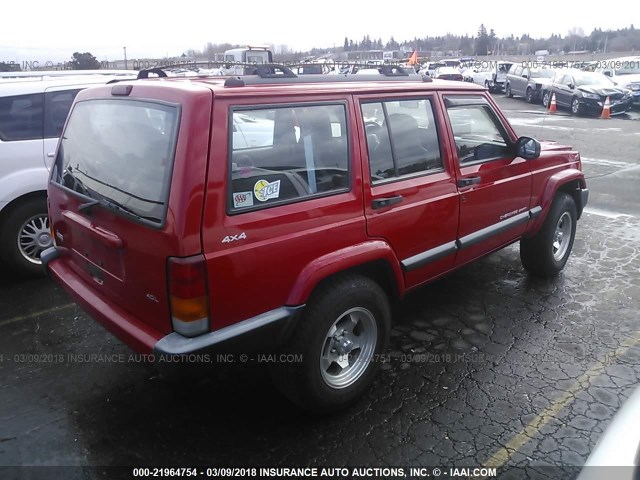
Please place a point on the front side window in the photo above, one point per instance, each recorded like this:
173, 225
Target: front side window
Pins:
120, 154
402, 138
479, 135
286, 154
21, 117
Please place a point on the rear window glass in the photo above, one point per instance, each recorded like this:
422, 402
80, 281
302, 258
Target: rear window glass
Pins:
120, 152
21, 117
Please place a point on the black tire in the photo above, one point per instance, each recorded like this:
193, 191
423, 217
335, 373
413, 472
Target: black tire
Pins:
576, 108
529, 95
507, 90
487, 86
30, 213
304, 382
545, 255
546, 99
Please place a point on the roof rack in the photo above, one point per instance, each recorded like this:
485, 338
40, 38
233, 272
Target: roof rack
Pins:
268, 74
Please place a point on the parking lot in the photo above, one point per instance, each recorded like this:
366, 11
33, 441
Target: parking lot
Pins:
486, 367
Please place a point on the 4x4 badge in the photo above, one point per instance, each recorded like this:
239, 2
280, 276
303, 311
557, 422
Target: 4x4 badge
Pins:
233, 238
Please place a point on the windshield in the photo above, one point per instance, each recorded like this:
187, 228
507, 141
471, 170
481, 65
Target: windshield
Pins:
543, 73
120, 152
592, 79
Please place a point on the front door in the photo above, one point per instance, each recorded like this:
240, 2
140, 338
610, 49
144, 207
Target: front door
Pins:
493, 183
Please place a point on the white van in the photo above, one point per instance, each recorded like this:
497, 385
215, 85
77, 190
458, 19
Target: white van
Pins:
240, 61
32, 114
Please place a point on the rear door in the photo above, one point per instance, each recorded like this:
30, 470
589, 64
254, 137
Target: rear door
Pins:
493, 183
410, 193
280, 196
127, 189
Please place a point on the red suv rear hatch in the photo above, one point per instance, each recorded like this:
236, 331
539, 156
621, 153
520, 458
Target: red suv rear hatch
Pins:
125, 195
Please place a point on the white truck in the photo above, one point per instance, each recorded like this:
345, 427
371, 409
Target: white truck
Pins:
241, 61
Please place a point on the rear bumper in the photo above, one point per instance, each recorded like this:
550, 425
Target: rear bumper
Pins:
138, 335
260, 334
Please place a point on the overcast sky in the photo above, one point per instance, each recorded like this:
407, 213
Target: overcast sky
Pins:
53, 30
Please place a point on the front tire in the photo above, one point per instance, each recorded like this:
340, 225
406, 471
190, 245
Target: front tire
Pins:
576, 109
344, 328
546, 99
529, 95
546, 253
25, 234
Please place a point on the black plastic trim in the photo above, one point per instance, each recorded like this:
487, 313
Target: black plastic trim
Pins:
421, 259
491, 230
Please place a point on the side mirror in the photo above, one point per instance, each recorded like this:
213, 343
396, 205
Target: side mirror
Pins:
608, 74
528, 148
571, 86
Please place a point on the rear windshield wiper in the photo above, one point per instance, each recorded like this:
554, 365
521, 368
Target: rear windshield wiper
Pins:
113, 205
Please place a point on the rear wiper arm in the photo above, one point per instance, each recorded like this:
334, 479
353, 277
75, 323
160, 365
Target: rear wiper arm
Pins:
90, 204
112, 204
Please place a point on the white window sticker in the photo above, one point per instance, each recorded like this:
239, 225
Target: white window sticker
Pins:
264, 190
242, 199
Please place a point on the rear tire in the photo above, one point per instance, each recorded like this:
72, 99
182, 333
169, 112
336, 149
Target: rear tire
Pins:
507, 91
24, 235
344, 329
546, 253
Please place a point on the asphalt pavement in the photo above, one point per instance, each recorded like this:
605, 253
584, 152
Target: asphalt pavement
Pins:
486, 367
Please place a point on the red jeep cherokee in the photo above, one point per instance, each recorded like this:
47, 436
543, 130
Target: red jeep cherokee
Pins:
288, 212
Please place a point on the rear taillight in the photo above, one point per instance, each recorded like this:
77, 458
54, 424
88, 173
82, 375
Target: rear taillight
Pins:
189, 295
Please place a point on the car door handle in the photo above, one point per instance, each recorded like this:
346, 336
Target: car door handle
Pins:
50, 154
465, 182
385, 202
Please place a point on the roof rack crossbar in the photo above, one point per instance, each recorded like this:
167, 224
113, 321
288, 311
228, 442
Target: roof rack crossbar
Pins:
241, 81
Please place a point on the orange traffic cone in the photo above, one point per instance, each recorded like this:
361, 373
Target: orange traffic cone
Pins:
606, 110
553, 108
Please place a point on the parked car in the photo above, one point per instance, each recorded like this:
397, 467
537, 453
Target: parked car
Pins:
586, 92
527, 82
625, 72
448, 73
617, 453
492, 74
298, 244
430, 68
32, 113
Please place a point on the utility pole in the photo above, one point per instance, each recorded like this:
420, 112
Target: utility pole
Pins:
125, 58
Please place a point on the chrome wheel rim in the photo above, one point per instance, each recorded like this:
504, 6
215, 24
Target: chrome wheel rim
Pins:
34, 237
575, 106
348, 347
562, 236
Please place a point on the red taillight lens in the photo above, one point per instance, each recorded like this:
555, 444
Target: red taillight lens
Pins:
188, 294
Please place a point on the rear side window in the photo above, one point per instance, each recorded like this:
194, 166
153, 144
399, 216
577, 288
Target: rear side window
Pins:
286, 154
56, 109
21, 117
120, 153
402, 138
